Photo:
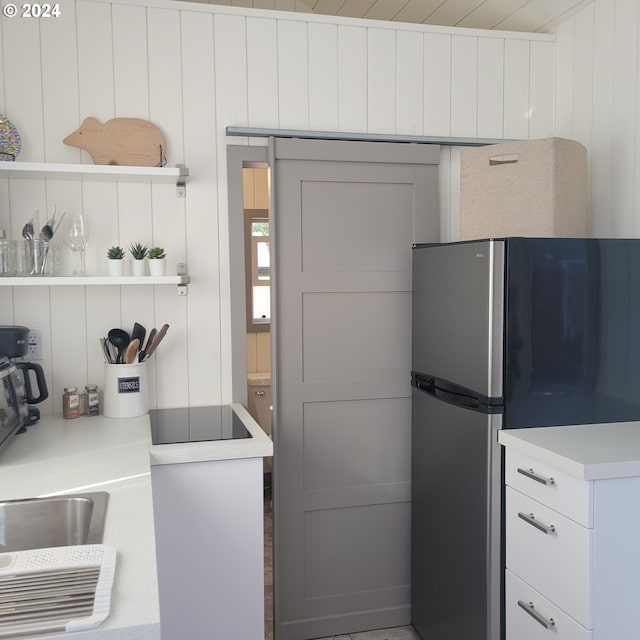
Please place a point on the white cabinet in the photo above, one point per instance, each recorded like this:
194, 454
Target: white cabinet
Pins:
572, 554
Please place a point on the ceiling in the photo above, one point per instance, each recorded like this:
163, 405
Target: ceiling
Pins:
507, 15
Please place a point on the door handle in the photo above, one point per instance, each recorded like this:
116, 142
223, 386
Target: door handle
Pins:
530, 609
530, 473
530, 519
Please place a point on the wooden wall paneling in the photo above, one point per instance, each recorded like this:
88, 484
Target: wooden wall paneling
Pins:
165, 79
564, 78
293, 75
583, 86
602, 130
103, 312
624, 116
444, 187
437, 84
491, 87
230, 56
464, 86
172, 367
201, 210
323, 76
23, 84
130, 65
381, 74
65, 196
69, 341
454, 211
516, 92
60, 83
172, 380
100, 205
409, 82
95, 63
262, 72
263, 352
541, 92
352, 78
252, 352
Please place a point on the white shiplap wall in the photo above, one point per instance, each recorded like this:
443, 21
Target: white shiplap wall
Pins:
193, 70
598, 77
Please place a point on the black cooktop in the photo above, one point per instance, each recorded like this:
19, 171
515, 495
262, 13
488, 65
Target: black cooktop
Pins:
196, 424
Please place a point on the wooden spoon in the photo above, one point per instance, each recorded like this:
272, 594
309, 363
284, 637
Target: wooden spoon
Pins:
143, 352
132, 351
158, 339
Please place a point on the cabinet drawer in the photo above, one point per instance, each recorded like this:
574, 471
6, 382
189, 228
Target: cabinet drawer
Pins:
558, 563
521, 625
565, 493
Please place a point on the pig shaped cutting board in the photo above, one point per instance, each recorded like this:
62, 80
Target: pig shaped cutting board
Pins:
120, 141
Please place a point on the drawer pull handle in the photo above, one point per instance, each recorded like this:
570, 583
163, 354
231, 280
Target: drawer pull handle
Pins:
530, 473
530, 609
530, 519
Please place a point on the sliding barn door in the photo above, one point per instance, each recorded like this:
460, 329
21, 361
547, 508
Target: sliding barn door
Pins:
345, 217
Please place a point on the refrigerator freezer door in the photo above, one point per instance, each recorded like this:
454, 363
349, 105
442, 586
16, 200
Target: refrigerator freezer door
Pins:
458, 297
455, 521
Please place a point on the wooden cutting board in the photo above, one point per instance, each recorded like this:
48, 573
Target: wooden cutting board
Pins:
120, 141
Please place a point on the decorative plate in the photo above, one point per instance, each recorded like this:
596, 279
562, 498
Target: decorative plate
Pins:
10, 142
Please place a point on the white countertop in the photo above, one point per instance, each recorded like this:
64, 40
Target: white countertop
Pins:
98, 454
113, 455
588, 452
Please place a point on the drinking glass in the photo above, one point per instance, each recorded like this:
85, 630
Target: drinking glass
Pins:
77, 238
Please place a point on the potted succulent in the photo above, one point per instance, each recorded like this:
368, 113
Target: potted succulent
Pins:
157, 261
115, 261
138, 252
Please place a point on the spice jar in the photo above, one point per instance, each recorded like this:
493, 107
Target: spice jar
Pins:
70, 403
92, 400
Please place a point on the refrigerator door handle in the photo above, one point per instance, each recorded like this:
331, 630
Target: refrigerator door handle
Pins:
455, 394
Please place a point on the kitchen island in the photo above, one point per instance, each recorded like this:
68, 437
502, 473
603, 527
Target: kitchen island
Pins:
57, 456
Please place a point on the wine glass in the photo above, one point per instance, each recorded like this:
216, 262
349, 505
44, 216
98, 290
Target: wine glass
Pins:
77, 238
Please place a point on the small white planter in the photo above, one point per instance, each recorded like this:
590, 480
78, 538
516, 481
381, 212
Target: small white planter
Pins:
138, 267
158, 266
116, 267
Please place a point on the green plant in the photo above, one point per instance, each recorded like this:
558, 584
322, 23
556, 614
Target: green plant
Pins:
156, 253
138, 251
115, 253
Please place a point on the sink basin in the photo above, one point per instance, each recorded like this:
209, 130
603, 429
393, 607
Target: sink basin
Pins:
57, 521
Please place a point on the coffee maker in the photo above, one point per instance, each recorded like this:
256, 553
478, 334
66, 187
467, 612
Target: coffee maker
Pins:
13, 346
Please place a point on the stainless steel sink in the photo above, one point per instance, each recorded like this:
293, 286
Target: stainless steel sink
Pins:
57, 521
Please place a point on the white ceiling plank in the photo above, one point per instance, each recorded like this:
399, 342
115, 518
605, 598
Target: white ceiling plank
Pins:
355, 8
490, 13
328, 7
536, 14
417, 11
385, 9
452, 11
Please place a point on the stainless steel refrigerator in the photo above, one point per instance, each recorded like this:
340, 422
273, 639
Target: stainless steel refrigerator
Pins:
506, 334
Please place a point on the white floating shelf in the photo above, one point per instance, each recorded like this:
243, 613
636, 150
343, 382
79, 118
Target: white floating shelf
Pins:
90, 280
177, 174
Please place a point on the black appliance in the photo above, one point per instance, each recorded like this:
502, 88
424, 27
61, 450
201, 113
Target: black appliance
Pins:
196, 424
23, 384
507, 334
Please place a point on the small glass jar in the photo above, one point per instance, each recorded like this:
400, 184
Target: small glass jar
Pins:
8, 257
92, 400
70, 403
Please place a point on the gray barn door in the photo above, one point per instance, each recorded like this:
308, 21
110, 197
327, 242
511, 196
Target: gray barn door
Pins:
345, 216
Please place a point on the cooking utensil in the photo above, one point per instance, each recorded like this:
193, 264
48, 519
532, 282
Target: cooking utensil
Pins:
105, 349
157, 340
150, 339
132, 351
120, 339
27, 230
138, 332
